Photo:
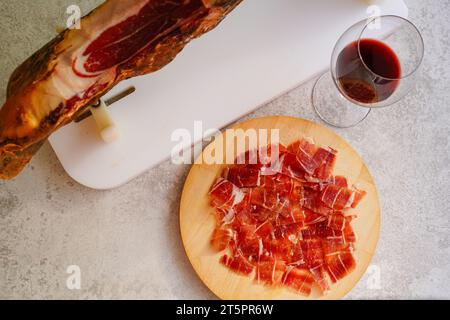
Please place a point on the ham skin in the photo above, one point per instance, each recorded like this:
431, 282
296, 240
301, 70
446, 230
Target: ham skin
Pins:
118, 40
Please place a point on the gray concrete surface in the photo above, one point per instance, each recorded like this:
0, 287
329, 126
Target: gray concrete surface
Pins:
127, 242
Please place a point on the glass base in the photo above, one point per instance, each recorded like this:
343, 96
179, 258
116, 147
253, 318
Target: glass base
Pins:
332, 107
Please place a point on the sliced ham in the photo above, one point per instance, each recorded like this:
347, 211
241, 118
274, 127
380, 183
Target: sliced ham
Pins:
221, 238
244, 176
339, 260
291, 227
299, 280
339, 198
270, 272
238, 264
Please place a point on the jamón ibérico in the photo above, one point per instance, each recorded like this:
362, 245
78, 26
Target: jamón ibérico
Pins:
289, 225
118, 40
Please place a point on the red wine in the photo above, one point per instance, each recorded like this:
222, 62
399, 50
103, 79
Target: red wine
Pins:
370, 74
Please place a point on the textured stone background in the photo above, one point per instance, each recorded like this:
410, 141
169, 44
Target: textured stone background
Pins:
127, 242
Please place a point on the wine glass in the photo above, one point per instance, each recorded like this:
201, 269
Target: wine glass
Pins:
374, 64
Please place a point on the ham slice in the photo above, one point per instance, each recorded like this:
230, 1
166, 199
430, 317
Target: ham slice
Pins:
222, 194
221, 238
337, 221
244, 176
299, 280
270, 272
338, 198
339, 260
238, 264
325, 170
118, 40
309, 155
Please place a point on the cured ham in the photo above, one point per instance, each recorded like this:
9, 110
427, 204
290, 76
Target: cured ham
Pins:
310, 157
339, 260
338, 197
270, 272
324, 171
337, 221
221, 238
244, 176
118, 40
299, 280
291, 228
222, 194
238, 264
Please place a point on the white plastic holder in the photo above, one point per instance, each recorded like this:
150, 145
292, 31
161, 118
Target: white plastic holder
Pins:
107, 128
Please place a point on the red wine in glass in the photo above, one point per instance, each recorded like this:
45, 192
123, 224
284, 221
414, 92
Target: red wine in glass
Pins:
374, 64
368, 71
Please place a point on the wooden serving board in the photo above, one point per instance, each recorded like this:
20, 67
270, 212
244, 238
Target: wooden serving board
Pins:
197, 219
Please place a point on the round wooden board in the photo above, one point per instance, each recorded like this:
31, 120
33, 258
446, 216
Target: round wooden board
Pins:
197, 219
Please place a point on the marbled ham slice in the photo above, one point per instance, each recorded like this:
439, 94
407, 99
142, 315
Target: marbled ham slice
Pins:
313, 218
248, 243
292, 227
221, 238
222, 195
245, 215
339, 198
280, 249
346, 236
359, 195
270, 272
264, 229
296, 215
289, 232
263, 157
313, 202
315, 184
340, 181
244, 176
261, 213
299, 280
325, 171
278, 183
238, 264
269, 200
292, 167
337, 221
339, 260
315, 261
336, 197
309, 155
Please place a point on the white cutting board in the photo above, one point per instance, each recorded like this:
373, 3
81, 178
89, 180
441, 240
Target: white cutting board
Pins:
261, 50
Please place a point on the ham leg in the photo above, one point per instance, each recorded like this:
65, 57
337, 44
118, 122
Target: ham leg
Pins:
118, 40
